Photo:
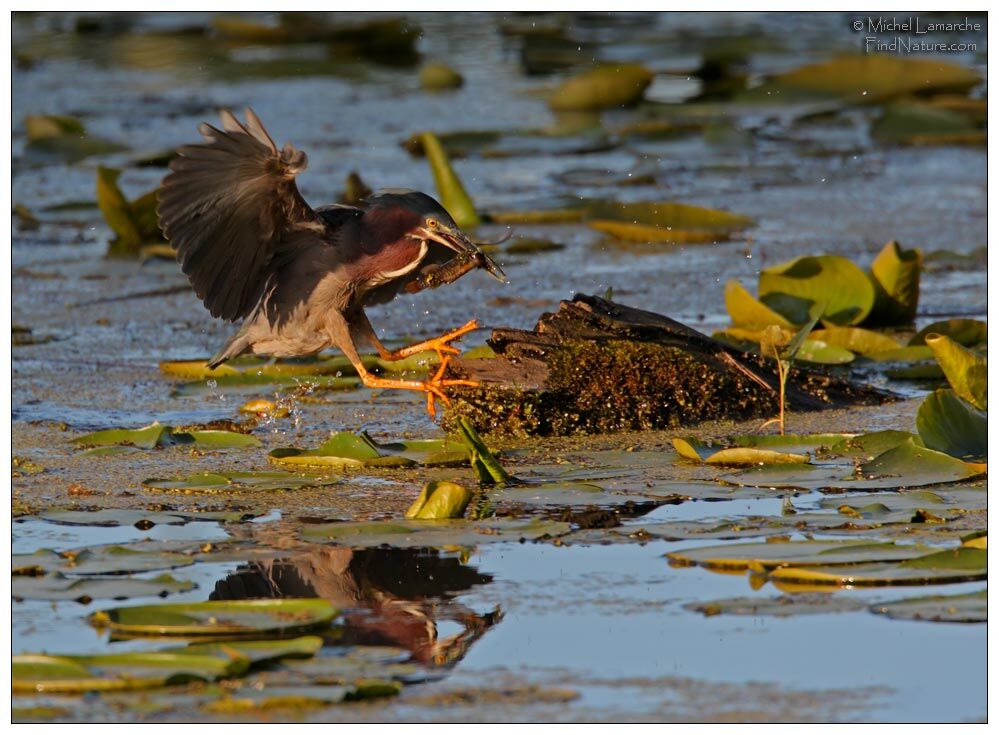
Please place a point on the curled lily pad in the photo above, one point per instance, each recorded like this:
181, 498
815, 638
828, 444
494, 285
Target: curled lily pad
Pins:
828, 286
895, 273
151, 436
967, 332
97, 560
855, 339
969, 608
617, 85
435, 533
691, 448
347, 449
228, 617
213, 482
907, 354
793, 443
746, 310
486, 467
134, 223
781, 607
962, 564
951, 425
452, 193
762, 556
115, 672
440, 499
56, 586
966, 372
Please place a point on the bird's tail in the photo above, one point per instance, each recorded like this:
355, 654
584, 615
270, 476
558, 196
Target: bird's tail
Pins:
236, 345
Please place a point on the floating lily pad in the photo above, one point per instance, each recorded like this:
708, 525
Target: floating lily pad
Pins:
64, 137
347, 449
112, 517
818, 352
966, 372
915, 123
435, 533
115, 672
907, 354
744, 456
452, 192
665, 215
793, 443
632, 232
763, 556
942, 567
230, 617
256, 652
828, 286
482, 460
563, 494
781, 607
922, 464
213, 482
97, 560
746, 310
869, 78
440, 499
969, 608
436, 76
161, 435
134, 223
949, 424
967, 332
861, 341
56, 586
617, 85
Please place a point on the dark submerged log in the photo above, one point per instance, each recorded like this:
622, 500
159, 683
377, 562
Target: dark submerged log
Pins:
596, 366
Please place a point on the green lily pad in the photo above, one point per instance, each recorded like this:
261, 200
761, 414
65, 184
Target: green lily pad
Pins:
562, 494
97, 560
762, 556
967, 332
861, 341
115, 672
665, 215
692, 449
966, 372
907, 354
951, 425
256, 652
230, 617
112, 517
452, 192
440, 499
612, 85
780, 607
56, 586
134, 223
921, 464
916, 123
869, 446
747, 456
895, 273
437, 76
794, 443
347, 449
747, 311
968, 608
435, 533
799, 288
213, 482
818, 352
161, 435
64, 137
962, 564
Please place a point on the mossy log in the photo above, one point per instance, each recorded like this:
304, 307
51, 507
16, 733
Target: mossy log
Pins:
596, 366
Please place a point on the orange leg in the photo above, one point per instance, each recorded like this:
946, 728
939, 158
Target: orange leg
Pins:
437, 344
434, 387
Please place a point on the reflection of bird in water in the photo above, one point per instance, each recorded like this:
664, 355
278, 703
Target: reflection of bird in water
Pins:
389, 596
299, 277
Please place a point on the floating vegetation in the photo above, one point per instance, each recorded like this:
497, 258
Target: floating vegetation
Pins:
161, 435
436, 76
96, 560
57, 586
452, 192
435, 534
236, 482
612, 85
62, 137
347, 449
134, 223
440, 499
969, 608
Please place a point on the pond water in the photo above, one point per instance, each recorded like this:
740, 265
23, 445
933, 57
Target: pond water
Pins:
594, 628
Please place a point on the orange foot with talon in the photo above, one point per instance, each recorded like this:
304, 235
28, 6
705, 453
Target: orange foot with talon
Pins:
433, 387
441, 345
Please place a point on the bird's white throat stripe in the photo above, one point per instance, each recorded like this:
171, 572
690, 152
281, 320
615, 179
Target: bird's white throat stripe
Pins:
390, 275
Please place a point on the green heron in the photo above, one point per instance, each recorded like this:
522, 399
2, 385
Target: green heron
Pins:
300, 278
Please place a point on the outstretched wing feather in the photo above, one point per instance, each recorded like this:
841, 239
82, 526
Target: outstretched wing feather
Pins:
229, 207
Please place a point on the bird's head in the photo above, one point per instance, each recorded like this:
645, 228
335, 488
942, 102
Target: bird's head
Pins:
427, 221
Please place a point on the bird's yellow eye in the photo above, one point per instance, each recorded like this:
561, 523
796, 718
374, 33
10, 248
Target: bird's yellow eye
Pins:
432, 224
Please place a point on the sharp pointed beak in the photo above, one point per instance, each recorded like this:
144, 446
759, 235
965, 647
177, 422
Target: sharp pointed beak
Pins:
460, 243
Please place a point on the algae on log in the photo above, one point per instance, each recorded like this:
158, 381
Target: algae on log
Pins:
596, 366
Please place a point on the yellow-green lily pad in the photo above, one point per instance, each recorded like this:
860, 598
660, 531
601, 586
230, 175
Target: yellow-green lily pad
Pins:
764, 555
440, 499
97, 560
966, 372
857, 340
828, 286
967, 332
969, 608
963, 564
747, 311
611, 85
57, 586
214, 482
437, 534
951, 425
218, 617
347, 449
